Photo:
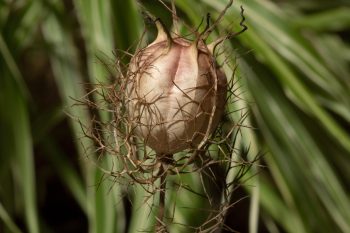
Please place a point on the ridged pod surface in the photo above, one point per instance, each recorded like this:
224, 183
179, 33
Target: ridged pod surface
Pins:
177, 93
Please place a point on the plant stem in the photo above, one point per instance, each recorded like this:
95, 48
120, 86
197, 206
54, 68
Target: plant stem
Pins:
161, 212
164, 160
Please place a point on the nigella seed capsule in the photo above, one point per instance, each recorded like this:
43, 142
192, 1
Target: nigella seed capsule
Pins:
177, 93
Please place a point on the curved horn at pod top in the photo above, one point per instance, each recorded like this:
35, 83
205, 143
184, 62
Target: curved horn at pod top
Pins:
163, 33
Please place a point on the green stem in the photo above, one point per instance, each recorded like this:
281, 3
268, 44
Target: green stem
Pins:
160, 227
162, 173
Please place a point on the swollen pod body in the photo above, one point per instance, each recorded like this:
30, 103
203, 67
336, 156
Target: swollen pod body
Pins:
177, 93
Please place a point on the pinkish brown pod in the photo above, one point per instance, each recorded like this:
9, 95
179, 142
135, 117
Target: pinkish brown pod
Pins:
177, 93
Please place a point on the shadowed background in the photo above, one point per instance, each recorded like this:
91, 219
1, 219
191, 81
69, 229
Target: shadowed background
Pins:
294, 77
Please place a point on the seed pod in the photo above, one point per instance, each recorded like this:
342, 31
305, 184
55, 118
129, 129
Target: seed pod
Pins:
177, 93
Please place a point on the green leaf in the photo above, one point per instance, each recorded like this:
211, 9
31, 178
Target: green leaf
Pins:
336, 19
4, 216
19, 147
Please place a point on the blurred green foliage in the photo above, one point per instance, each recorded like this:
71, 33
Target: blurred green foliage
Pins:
294, 76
